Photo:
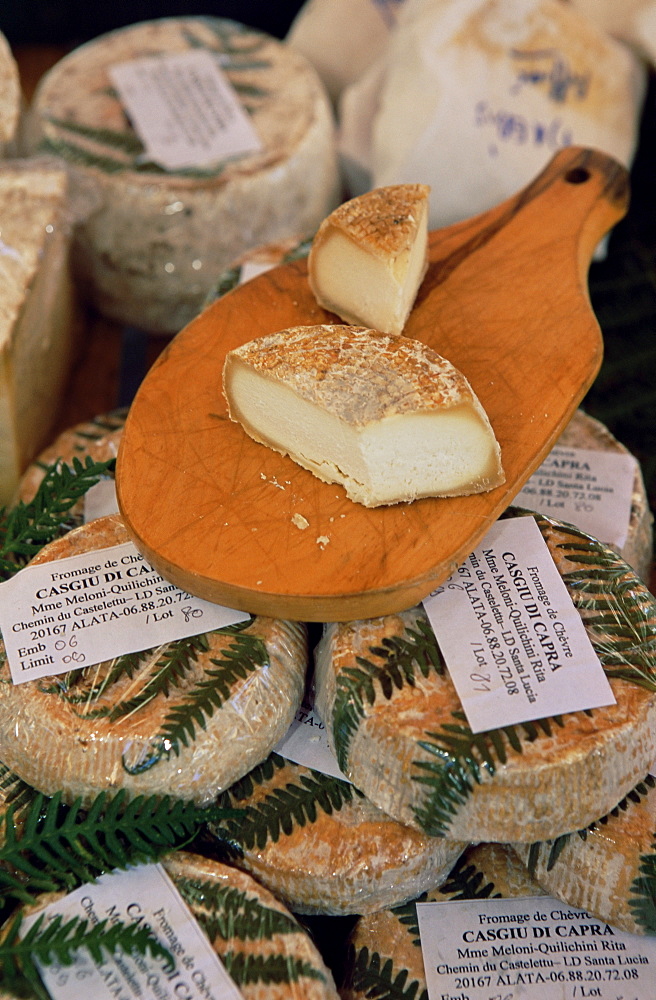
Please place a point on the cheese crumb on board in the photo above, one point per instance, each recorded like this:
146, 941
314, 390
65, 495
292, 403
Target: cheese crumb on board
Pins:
37, 310
386, 417
369, 256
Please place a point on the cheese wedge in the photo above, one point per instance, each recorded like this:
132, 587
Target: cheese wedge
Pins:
369, 256
112, 725
386, 417
384, 948
321, 846
397, 728
606, 868
37, 310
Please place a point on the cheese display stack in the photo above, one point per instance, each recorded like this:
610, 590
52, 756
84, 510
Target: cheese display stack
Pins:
37, 310
608, 868
320, 846
150, 242
10, 99
399, 733
384, 949
186, 719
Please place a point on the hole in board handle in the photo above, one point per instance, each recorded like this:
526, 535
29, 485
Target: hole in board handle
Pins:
578, 175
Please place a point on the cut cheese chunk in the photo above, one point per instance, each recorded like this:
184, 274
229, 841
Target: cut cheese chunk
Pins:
323, 848
605, 868
369, 256
386, 417
37, 311
10, 98
150, 242
110, 726
583, 431
384, 948
403, 739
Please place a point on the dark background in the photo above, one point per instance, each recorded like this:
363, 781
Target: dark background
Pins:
64, 22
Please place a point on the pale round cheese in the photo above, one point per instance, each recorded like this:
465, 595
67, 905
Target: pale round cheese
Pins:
584, 431
384, 948
132, 722
150, 243
396, 725
321, 846
608, 867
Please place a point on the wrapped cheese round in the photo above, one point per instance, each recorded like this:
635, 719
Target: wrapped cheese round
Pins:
151, 241
396, 724
584, 431
384, 948
186, 719
10, 98
321, 846
97, 439
608, 868
264, 950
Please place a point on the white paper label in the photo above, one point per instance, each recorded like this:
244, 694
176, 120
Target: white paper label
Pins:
253, 269
533, 948
70, 613
145, 895
591, 489
514, 643
306, 743
184, 109
100, 500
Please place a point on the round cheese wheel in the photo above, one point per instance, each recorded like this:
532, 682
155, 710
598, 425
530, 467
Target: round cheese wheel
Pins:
258, 260
323, 848
384, 948
150, 243
584, 431
397, 727
608, 868
265, 951
185, 719
10, 98
97, 439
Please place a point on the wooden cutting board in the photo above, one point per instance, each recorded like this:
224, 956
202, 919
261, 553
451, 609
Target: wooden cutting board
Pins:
505, 299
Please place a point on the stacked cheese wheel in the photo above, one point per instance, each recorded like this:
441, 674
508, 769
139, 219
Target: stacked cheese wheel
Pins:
10, 98
399, 733
150, 242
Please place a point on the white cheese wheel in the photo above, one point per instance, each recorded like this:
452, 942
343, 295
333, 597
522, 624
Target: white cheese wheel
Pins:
370, 255
583, 431
397, 728
384, 948
608, 868
10, 98
385, 416
321, 847
37, 310
150, 243
111, 726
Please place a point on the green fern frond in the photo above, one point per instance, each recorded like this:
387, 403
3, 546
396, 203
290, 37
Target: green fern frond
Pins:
56, 847
81, 686
226, 912
294, 805
58, 940
126, 141
82, 157
376, 978
406, 914
27, 527
243, 657
466, 881
458, 758
398, 660
244, 969
643, 890
225, 31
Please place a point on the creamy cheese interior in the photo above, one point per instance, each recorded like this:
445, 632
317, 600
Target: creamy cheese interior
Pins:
361, 287
398, 458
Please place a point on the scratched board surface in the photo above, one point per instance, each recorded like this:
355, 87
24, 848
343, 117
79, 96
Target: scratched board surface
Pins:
504, 298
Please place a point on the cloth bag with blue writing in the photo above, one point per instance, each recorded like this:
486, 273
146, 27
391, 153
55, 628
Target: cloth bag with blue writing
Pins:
474, 97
